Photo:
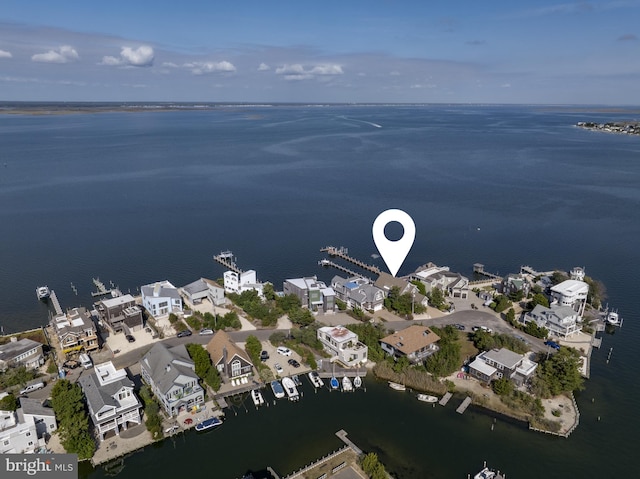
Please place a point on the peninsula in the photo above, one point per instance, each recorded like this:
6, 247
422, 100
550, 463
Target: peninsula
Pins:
626, 127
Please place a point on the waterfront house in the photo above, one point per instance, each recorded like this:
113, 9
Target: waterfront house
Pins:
231, 361
416, 343
170, 373
26, 429
25, 352
204, 289
161, 299
433, 276
343, 345
243, 281
358, 292
571, 293
112, 404
577, 273
313, 294
120, 314
562, 321
499, 363
514, 283
75, 331
386, 283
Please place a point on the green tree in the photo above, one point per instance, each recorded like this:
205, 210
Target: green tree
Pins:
421, 287
539, 298
501, 303
213, 379
268, 292
253, 346
9, 403
561, 373
511, 316
436, 298
201, 359
502, 386
301, 316
73, 421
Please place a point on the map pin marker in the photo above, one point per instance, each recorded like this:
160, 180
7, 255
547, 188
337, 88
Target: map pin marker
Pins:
394, 252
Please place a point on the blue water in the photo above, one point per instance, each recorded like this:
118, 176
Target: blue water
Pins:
136, 197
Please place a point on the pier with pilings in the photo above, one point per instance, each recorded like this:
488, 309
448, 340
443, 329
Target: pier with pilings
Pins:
225, 258
55, 303
343, 253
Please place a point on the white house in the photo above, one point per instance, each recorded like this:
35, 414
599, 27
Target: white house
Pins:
358, 292
432, 276
343, 344
204, 288
502, 363
244, 281
110, 399
571, 293
313, 294
25, 351
27, 429
577, 273
562, 321
161, 298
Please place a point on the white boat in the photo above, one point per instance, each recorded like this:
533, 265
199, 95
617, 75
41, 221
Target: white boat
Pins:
485, 473
315, 379
613, 318
256, 395
357, 381
278, 390
43, 292
397, 386
427, 398
208, 424
171, 429
290, 388
347, 386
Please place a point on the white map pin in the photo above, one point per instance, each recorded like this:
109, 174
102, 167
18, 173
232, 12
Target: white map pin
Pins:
394, 252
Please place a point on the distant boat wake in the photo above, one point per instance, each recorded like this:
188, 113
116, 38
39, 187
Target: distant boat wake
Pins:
375, 125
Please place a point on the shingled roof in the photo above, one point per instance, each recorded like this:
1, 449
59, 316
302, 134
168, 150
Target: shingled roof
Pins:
411, 339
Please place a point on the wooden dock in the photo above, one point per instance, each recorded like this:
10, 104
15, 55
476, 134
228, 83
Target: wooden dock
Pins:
465, 404
478, 268
56, 304
327, 263
342, 253
445, 399
226, 259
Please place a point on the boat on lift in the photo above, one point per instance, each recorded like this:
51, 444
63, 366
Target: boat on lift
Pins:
43, 292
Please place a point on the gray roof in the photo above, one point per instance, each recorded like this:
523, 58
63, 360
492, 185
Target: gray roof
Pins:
15, 348
197, 286
98, 396
504, 356
35, 407
166, 365
365, 293
163, 291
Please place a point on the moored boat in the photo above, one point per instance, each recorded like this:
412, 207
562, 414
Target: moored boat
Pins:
315, 379
427, 398
334, 383
290, 388
278, 390
613, 318
208, 424
43, 292
256, 395
347, 386
397, 386
357, 381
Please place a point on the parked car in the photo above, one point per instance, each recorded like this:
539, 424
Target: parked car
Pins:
278, 368
184, 333
294, 363
552, 344
206, 332
459, 326
284, 351
71, 364
264, 356
130, 338
32, 387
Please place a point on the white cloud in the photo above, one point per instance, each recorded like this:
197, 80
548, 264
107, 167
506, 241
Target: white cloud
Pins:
5, 54
263, 67
298, 72
505, 85
64, 54
394, 73
200, 68
169, 65
142, 56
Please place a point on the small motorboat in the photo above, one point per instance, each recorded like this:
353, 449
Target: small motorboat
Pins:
357, 381
347, 386
315, 379
613, 318
278, 390
208, 424
43, 292
290, 388
334, 383
397, 386
427, 398
256, 395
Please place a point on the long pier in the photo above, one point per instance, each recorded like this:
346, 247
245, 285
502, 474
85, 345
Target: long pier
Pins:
327, 263
101, 288
343, 253
56, 304
478, 268
226, 259
529, 270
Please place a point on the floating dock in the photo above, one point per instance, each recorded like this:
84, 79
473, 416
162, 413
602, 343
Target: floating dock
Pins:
465, 404
445, 399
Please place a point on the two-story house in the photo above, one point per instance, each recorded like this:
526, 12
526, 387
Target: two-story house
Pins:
343, 345
231, 361
203, 288
416, 343
358, 292
313, 294
243, 281
110, 399
170, 373
161, 298
120, 314
386, 283
26, 429
25, 352
75, 331
502, 363
562, 321
571, 293
434, 276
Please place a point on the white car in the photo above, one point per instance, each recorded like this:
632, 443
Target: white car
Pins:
279, 369
206, 332
284, 351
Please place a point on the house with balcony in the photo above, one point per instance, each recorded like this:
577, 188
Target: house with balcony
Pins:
343, 345
387, 282
75, 331
416, 343
243, 281
111, 401
201, 289
571, 293
231, 361
26, 429
562, 321
358, 292
120, 314
21, 352
502, 363
170, 373
434, 276
161, 299
313, 294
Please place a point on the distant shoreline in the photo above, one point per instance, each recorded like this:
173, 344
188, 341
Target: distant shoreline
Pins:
625, 127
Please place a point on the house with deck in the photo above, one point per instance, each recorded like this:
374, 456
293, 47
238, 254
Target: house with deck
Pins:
434, 276
161, 299
416, 343
237, 283
571, 293
502, 363
27, 429
343, 345
120, 314
231, 361
111, 401
170, 373
358, 292
201, 289
75, 331
562, 321
313, 294
21, 352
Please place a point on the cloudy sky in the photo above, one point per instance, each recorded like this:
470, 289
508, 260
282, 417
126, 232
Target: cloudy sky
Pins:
321, 51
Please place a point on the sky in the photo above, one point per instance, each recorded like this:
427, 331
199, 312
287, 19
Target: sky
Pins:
354, 51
